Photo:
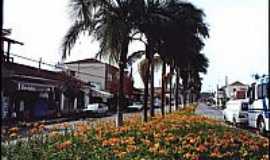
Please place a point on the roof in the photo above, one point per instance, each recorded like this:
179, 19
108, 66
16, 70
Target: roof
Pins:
20, 69
90, 60
28, 72
236, 83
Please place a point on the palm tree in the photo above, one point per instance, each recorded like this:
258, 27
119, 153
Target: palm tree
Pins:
199, 64
163, 82
111, 24
132, 58
177, 88
157, 61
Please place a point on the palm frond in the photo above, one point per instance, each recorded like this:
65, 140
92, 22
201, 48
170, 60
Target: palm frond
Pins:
71, 37
135, 56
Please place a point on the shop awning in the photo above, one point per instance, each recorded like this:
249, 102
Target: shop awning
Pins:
99, 93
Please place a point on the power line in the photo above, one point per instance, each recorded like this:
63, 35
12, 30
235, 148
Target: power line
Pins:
55, 66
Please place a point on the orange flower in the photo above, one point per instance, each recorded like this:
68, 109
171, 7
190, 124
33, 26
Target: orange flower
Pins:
121, 154
14, 129
201, 148
131, 148
146, 142
13, 135
170, 138
111, 142
128, 140
188, 155
216, 153
64, 145
54, 135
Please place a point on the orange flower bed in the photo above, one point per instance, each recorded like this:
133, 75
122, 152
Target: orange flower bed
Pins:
180, 135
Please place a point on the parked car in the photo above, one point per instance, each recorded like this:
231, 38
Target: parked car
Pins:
136, 106
236, 111
96, 108
157, 103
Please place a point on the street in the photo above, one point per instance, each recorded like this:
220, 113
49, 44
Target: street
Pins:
209, 111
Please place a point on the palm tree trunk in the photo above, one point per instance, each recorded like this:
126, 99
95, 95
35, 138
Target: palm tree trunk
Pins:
163, 88
131, 71
145, 105
170, 104
120, 104
152, 112
177, 88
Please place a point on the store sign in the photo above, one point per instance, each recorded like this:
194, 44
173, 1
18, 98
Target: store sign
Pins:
33, 87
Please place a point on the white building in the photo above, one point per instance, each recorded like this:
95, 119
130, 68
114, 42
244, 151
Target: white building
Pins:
235, 90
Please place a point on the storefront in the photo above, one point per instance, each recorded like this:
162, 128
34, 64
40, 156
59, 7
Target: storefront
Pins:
31, 99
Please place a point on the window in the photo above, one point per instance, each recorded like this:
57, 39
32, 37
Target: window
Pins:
264, 90
260, 91
244, 106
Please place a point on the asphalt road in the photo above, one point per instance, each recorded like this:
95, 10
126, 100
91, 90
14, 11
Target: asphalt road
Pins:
209, 111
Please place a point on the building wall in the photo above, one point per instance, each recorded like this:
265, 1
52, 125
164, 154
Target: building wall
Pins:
112, 79
105, 76
112, 82
92, 72
235, 88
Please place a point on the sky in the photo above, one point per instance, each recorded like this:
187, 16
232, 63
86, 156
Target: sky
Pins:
237, 47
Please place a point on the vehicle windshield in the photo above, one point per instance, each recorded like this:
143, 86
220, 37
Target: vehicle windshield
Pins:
137, 103
244, 106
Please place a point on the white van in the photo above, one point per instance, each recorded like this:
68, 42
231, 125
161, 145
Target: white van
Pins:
236, 111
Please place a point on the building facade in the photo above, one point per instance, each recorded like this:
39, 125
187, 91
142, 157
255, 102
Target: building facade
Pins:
235, 90
102, 76
30, 92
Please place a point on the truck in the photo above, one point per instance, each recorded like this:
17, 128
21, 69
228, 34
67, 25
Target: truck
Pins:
258, 110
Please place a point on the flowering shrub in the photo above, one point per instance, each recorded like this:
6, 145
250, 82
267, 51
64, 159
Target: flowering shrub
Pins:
180, 135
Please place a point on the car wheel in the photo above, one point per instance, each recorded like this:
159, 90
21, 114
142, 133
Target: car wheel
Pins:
261, 126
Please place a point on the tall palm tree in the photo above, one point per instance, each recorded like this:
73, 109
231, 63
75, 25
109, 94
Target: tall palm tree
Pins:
111, 24
199, 64
157, 61
163, 82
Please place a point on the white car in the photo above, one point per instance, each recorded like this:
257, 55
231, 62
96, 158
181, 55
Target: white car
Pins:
136, 106
96, 108
236, 111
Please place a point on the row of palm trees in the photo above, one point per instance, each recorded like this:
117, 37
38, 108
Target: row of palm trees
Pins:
172, 29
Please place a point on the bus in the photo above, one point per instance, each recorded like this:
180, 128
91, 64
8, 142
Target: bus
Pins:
258, 111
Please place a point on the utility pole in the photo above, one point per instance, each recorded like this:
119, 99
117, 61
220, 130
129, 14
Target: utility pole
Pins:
2, 21
39, 63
